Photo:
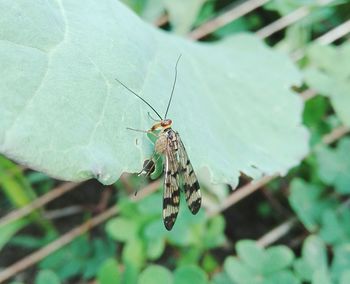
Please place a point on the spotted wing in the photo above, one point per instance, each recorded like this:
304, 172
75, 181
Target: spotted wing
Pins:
171, 198
189, 179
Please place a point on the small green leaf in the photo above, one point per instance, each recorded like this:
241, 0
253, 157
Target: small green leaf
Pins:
155, 274
214, 233
130, 274
314, 258
277, 258
341, 261
10, 229
251, 254
305, 199
189, 275
239, 272
134, 252
314, 113
321, 276
47, 276
334, 165
328, 72
183, 13
122, 229
264, 261
221, 278
314, 252
284, 276
209, 263
109, 272
155, 247
303, 269
332, 230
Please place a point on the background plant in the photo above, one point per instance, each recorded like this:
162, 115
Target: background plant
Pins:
310, 204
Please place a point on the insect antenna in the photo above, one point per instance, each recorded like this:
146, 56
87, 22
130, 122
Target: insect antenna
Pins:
142, 99
172, 91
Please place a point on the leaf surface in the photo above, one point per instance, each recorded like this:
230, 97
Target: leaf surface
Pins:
63, 113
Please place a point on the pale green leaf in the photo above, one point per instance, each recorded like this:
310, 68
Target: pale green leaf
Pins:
134, 252
122, 229
277, 258
47, 276
314, 253
334, 165
237, 271
264, 261
63, 113
341, 260
10, 229
155, 274
329, 73
109, 272
190, 274
284, 276
183, 13
321, 277
306, 201
251, 254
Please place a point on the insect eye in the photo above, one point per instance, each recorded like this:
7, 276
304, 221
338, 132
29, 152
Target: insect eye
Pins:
166, 122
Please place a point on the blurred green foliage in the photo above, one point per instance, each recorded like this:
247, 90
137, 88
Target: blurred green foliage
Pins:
135, 247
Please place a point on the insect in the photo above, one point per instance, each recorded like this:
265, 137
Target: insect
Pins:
178, 170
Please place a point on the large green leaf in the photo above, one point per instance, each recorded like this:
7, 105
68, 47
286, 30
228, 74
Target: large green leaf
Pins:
63, 113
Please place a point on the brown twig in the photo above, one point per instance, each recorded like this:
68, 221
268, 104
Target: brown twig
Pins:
335, 134
283, 22
63, 212
308, 94
241, 193
277, 233
335, 34
162, 20
329, 37
39, 202
105, 197
284, 228
226, 18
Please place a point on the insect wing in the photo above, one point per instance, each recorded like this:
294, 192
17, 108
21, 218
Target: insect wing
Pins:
189, 179
171, 198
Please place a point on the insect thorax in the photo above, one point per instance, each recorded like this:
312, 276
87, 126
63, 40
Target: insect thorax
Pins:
166, 137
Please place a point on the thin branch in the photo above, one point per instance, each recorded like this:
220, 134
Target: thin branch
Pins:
284, 228
277, 233
283, 22
39, 202
335, 134
241, 193
328, 38
308, 94
335, 34
162, 20
226, 18
63, 212
65, 239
